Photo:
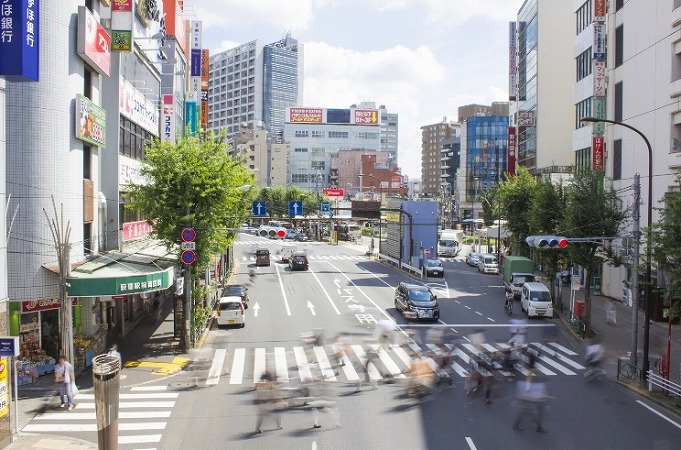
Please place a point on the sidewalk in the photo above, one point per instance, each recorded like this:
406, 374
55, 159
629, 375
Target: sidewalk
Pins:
149, 341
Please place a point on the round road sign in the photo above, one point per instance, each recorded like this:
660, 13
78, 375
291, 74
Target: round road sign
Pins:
188, 256
188, 234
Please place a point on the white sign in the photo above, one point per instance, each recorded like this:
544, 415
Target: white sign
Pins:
168, 125
188, 245
137, 107
599, 78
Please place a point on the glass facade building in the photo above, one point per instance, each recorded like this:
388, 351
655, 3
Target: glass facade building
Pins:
281, 65
527, 84
487, 150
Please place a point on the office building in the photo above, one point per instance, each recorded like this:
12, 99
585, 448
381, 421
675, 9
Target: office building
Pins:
432, 137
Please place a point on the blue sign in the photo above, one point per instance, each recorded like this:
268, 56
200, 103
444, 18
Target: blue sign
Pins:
259, 209
188, 234
19, 40
325, 207
9, 346
295, 208
190, 116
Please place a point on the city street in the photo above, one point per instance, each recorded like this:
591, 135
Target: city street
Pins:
344, 291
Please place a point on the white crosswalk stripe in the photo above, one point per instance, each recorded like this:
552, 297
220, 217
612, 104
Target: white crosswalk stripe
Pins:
143, 415
321, 362
251, 258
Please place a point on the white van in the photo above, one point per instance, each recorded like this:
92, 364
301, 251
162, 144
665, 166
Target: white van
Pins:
231, 312
536, 300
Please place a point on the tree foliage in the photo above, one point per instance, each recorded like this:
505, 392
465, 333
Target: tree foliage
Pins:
278, 198
515, 194
193, 183
666, 239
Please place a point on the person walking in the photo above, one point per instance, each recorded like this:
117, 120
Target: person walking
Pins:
610, 313
531, 398
64, 376
113, 351
270, 403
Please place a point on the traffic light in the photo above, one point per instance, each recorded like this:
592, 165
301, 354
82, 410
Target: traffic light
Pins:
547, 242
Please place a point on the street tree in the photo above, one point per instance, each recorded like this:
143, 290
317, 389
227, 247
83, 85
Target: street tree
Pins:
278, 198
592, 209
515, 195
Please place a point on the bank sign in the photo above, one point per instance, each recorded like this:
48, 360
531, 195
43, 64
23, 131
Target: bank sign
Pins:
19, 39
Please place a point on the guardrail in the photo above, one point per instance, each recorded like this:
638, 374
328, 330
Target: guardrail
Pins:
413, 269
393, 261
667, 386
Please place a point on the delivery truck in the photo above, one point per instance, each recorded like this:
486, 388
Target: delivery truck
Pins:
518, 270
449, 243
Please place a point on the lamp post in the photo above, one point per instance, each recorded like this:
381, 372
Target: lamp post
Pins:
380, 185
648, 276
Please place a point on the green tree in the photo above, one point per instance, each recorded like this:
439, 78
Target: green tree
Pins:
193, 183
592, 211
515, 194
278, 198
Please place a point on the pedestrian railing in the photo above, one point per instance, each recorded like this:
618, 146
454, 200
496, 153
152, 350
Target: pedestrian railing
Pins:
668, 387
626, 370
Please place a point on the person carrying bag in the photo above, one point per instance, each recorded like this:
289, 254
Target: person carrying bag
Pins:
64, 376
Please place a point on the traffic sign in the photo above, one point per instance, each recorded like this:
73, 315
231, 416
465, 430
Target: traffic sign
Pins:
259, 208
188, 234
188, 256
325, 207
295, 208
188, 246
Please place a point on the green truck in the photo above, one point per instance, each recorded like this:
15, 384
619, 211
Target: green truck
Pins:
518, 270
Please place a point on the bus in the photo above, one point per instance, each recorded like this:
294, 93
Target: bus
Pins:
280, 224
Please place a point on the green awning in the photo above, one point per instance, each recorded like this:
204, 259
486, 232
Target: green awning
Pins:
143, 266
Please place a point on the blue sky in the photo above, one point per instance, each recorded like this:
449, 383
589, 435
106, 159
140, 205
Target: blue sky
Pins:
421, 58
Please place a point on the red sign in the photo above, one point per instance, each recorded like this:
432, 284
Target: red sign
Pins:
135, 230
94, 44
305, 115
597, 153
366, 116
333, 192
43, 305
599, 11
511, 151
122, 5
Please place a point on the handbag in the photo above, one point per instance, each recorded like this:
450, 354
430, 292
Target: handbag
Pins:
74, 389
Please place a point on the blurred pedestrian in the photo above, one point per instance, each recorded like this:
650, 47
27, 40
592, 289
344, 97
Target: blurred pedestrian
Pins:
477, 339
113, 351
64, 376
385, 333
270, 403
370, 360
594, 359
610, 313
531, 398
322, 401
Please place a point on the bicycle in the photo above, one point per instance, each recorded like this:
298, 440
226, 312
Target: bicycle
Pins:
508, 305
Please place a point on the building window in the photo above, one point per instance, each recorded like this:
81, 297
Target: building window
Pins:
584, 16
620, 3
317, 134
133, 139
338, 134
300, 150
617, 160
584, 64
619, 45
582, 109
618, 100
301, 133
318, 165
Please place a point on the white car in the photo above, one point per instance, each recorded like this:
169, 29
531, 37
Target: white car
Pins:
488, 264
472, 258
231, 311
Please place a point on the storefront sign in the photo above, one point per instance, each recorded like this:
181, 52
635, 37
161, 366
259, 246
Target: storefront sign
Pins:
90, 122
136, 107
43, 305
4, 382
599, 78
511, 60
9, 347
129, 171
19, 39
136, 230
94, 43
599, 40
147, 11
168, 125
599, 11
121, 25
598, 108
191, 119
511, 151
176, 25
526, 118
195, 31
123, 285
597, 152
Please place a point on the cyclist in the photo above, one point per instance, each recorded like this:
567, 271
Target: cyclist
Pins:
594, 357
508, 303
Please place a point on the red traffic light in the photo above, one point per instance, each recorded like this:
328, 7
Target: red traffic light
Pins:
281, 233
547, 242
562, 242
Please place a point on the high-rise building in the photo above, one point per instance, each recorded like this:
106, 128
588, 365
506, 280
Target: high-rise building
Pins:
389, 130
432, 137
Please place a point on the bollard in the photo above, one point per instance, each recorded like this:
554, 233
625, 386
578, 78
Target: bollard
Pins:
106, 382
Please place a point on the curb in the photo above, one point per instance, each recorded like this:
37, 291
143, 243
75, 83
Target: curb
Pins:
645, 393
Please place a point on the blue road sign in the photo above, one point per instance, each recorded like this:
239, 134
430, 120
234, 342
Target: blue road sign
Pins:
259, 208
188, 234
325, 207
295, 208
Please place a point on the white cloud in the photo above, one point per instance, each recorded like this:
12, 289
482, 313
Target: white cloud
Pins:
281, 15
455, 12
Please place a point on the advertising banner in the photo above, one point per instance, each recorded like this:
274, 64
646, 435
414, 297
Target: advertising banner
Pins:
526, 118
305, 115
137, 107
175, 23
337, 116
333, 192
191, 119
195, 29
168, 126
599, 78
597, 151
93, 42
599, 41
511, 151
598, 108
366, 117
4, 387
136, 230
90, 122
19, 40
599, 10
122, 17
205, 60
195, 63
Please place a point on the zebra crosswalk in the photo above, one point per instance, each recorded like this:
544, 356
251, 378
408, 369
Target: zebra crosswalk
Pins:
361, 257
298, 363
143, 415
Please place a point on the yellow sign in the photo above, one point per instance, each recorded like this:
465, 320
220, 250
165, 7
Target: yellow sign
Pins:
4, 397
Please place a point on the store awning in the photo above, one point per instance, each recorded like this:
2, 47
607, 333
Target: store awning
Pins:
143, 266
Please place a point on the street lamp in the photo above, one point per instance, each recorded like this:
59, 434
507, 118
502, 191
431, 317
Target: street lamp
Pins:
648, 277
380, 185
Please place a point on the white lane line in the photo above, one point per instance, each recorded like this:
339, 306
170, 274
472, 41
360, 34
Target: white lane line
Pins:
67, 427
142, 439
348, 368
280, 364
548, 351
149, 388
237, 372
125, 405
388, 362
147, 396
567, 351
676, 424
556, 366
259, 364
283, 292
216, 367
324, 365
302, 363
325, 292
399, 351
470, 443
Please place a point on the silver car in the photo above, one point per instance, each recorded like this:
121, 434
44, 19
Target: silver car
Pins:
472, 259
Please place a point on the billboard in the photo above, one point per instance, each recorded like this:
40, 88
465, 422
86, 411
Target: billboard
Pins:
94, 43
597, 152
19, 40
305, 115
90, 122
337, 116
366, 117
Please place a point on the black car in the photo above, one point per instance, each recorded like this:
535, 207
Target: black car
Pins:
416, 301
236, 290
298, 260
434, 268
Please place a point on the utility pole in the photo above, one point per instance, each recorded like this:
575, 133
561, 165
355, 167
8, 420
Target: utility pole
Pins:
634, 274
61, 233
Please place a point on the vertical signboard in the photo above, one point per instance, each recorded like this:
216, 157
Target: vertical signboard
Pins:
599, 41
168, 125
205, 60
175, 23
93, 43
190, 117
511, 61
511, 151
122, 17
4, 387
599, 10
19, 39
598, 108
599, 78
597, 153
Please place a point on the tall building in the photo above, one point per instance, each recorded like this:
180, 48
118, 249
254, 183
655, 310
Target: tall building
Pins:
432, 137
545, 79
389, 130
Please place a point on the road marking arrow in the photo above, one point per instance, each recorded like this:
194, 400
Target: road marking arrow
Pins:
311, 306
256, 307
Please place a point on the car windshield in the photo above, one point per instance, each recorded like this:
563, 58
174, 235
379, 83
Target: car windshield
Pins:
262, 253
230, 306
447, 243
542, 296
420, 295
299, 259
234, 290
434, 263
490, 260
523, 279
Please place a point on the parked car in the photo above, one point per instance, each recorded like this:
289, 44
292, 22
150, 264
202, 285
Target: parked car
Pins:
416, 301
472, 258
236, 290
231, 312
298, 261
262, 257
434, 268
488, 264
